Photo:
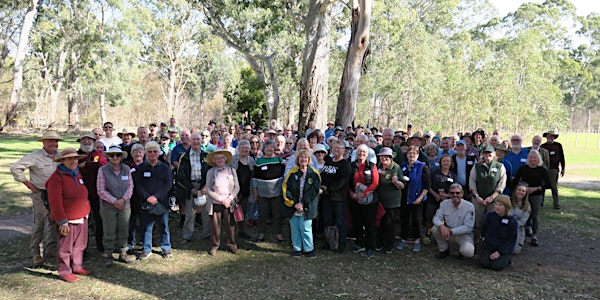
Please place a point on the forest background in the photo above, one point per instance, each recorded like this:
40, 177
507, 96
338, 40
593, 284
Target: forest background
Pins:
437, 64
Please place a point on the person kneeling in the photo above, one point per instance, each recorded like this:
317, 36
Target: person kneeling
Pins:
499, 232
453, 222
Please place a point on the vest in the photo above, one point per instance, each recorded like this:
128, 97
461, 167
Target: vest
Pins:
486, 180
115, 184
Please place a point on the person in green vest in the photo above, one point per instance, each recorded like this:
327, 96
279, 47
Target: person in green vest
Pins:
486, 181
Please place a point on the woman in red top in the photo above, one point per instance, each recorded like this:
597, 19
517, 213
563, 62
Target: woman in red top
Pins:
363, 201
69, 207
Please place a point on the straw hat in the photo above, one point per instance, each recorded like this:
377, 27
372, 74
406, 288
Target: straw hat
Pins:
210, 159
115, 149
417, 136
50, 135
86, 134
69, 152
125, 131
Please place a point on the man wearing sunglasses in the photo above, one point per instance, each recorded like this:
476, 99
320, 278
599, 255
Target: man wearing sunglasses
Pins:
109, 139
453, 223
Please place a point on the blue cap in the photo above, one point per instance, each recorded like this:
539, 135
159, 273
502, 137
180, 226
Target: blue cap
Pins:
461, 142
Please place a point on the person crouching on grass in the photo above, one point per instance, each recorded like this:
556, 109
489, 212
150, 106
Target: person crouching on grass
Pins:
301, 194
69, 207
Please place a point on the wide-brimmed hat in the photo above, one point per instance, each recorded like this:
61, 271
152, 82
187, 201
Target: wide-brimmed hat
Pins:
386, 151
125, 131
115, 149
271, 131
165, 136
550, 132
173, 130
50, 135
502, 148
86, 134
68, 152
416, 136
320, 148
378, 134
338, 128
210, 159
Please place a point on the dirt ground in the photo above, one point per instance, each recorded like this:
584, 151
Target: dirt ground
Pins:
559, 254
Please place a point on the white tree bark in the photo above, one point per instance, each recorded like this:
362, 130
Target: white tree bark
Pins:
358, 49
15, 95
315, 66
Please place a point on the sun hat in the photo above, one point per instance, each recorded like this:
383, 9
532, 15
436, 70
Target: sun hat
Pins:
165, 136
86, 134
114, 149
69, 152
320, 148
386, 151
124, 132
550, 132
50, 135
210, 159
502, 148
416, 136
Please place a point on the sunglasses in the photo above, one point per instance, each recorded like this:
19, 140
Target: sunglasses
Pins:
454, 193
114, 155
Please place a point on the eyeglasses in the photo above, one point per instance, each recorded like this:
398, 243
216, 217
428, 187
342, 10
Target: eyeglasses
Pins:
289, 143
454, 193
111, 155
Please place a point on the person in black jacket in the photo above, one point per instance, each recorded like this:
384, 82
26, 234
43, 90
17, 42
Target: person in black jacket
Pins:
499, 232
189, 181
335, 185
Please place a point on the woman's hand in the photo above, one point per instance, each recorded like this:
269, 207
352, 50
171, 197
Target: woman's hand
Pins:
64, 229
119, 204
298, 206
495, 255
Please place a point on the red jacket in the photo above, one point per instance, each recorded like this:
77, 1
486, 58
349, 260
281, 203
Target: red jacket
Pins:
68, 199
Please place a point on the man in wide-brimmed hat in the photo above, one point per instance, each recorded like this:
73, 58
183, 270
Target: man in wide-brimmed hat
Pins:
88, 167
127, 137
557, 163
418, 141
41, 165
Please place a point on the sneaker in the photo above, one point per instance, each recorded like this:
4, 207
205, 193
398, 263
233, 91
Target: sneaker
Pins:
145, 255
378, 248
69, 277
401, 245
417, 247
358, 249
82, 271
167, 254
124, 258
534, 242
312, 254
297, 254
388, 251
443, 254
370, 253
108, 262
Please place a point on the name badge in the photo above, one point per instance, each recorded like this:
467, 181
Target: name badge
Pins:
494, 170
264, 168
449, 179
470, 162
523, 160
437, 164
132, 170
504, 221
368, 172
403, 169
96, 158
125, 177
80, 180
147, 174
552, 152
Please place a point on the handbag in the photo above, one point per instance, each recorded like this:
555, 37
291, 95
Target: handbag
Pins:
200, 200
238, 213
157, 209
367, 199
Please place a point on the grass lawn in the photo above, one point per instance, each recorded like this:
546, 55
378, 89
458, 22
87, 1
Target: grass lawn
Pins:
565, 266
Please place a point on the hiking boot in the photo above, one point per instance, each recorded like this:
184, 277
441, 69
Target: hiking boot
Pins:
124, 258
443, 254
108, 262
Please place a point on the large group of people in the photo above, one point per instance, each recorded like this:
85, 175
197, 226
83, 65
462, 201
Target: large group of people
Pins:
479, 191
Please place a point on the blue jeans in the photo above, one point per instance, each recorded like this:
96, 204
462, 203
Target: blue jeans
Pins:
334, 213
163, 225
301, 233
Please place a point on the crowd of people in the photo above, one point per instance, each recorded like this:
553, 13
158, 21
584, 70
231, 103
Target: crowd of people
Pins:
482, 192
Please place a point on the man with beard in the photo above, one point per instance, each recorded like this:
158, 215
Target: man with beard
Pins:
89, 167
517, 155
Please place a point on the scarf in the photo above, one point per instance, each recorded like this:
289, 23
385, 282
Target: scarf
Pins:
62, 168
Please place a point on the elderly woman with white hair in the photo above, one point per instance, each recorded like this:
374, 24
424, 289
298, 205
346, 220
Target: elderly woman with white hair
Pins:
534, 174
